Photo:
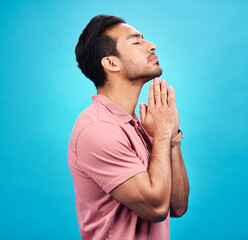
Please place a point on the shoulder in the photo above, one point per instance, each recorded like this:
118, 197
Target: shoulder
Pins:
102, 133
96, 115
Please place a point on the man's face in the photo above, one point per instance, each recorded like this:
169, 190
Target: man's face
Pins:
137, 57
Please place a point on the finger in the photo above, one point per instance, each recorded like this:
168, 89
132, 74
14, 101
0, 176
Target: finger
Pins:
171, 96
164, 92
157, 97
150, 95
142, 111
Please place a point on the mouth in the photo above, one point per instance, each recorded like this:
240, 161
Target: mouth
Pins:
153, 58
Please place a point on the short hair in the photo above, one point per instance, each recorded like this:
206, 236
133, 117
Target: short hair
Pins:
94, 44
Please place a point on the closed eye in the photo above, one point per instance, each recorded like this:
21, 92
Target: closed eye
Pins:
136, 43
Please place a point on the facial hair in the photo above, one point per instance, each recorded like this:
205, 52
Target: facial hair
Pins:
134, 71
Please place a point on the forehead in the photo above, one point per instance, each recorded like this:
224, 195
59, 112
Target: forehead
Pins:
122, 31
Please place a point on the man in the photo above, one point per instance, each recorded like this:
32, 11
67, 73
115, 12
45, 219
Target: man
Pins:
128, 172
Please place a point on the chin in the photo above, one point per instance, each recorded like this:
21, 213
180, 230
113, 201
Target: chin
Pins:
151, 74
156, 73
159, 72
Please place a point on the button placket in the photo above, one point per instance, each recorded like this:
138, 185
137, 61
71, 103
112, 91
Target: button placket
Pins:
141, 134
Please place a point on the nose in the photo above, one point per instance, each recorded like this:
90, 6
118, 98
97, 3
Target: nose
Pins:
151, 47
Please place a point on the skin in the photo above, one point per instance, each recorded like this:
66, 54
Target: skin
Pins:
165, 185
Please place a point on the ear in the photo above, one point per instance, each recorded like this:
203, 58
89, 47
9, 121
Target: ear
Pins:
110, 63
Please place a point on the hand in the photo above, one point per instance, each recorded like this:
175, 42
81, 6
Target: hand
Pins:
160, 118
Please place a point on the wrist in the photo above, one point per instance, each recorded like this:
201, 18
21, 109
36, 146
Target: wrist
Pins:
163, 137
175, 132
176, 140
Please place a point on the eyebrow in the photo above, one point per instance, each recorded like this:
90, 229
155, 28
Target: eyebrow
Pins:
136, 35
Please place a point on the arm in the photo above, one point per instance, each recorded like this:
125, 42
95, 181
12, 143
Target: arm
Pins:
148, 193
180, 184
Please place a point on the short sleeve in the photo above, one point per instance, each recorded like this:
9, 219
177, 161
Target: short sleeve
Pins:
105, 154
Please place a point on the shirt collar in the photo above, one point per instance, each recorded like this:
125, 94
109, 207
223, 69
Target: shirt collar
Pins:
115, 108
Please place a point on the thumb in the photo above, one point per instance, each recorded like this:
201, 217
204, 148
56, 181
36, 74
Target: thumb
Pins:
142, 111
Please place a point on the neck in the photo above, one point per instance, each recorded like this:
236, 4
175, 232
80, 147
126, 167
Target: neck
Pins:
126, 94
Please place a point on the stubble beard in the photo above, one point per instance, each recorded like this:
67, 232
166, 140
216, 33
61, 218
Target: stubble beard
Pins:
133, 72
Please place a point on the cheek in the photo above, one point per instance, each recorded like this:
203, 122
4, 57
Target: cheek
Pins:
138, 58
132, 58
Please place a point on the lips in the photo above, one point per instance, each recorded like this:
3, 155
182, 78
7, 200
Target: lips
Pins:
153, 58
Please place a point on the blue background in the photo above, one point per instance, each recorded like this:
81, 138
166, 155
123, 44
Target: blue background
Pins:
202, 48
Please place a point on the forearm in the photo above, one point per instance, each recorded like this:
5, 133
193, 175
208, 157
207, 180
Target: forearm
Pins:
180, 184
160, 171
148, 193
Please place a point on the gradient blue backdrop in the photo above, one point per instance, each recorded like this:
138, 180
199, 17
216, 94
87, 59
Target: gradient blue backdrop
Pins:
202, 48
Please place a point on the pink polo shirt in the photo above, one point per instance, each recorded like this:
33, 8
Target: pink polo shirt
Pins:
107, 147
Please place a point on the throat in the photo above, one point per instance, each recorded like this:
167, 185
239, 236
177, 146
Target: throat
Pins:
125, 95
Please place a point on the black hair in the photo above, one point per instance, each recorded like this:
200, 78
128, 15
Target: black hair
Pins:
94, 44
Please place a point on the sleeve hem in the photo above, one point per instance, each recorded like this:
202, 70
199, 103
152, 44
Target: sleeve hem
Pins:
116, 182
